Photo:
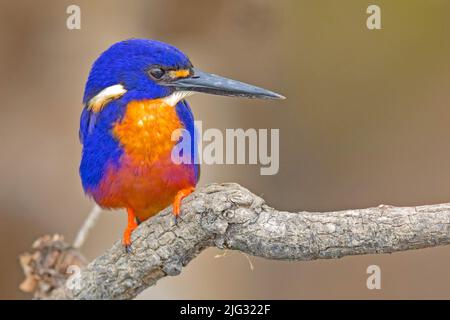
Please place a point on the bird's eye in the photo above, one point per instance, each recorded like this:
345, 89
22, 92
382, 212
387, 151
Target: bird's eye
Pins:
157, 73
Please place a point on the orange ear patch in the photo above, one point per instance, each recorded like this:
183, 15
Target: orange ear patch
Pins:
183, 73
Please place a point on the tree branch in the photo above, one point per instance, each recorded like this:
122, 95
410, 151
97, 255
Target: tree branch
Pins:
228, 216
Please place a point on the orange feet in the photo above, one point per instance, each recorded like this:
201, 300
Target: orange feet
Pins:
177, 201
129, 230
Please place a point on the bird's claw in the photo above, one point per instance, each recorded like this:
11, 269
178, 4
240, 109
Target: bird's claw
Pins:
177, 202
128, 248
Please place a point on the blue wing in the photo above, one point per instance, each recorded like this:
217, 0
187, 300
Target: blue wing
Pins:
186, 116
87, 123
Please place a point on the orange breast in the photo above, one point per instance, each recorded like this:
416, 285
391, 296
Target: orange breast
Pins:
146, 179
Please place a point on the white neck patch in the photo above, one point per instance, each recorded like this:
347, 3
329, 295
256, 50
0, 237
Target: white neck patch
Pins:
116, 91
175, 97
103, 97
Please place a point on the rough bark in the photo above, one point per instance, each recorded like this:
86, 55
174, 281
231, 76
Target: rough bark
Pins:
228, 216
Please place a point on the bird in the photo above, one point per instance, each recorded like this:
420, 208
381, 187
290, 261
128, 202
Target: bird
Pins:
134, 99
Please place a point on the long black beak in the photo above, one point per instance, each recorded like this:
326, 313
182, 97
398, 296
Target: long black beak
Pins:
210, 83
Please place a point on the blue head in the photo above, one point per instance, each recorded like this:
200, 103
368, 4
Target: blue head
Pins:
131, 64
151, 69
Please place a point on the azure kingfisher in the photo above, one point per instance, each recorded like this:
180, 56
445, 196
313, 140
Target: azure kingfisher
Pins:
133, 102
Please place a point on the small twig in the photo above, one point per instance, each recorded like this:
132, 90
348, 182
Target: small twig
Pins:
249, 261
225, 254
222, 254
88, 224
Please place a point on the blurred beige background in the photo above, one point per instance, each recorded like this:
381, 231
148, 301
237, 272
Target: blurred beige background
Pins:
367, 121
